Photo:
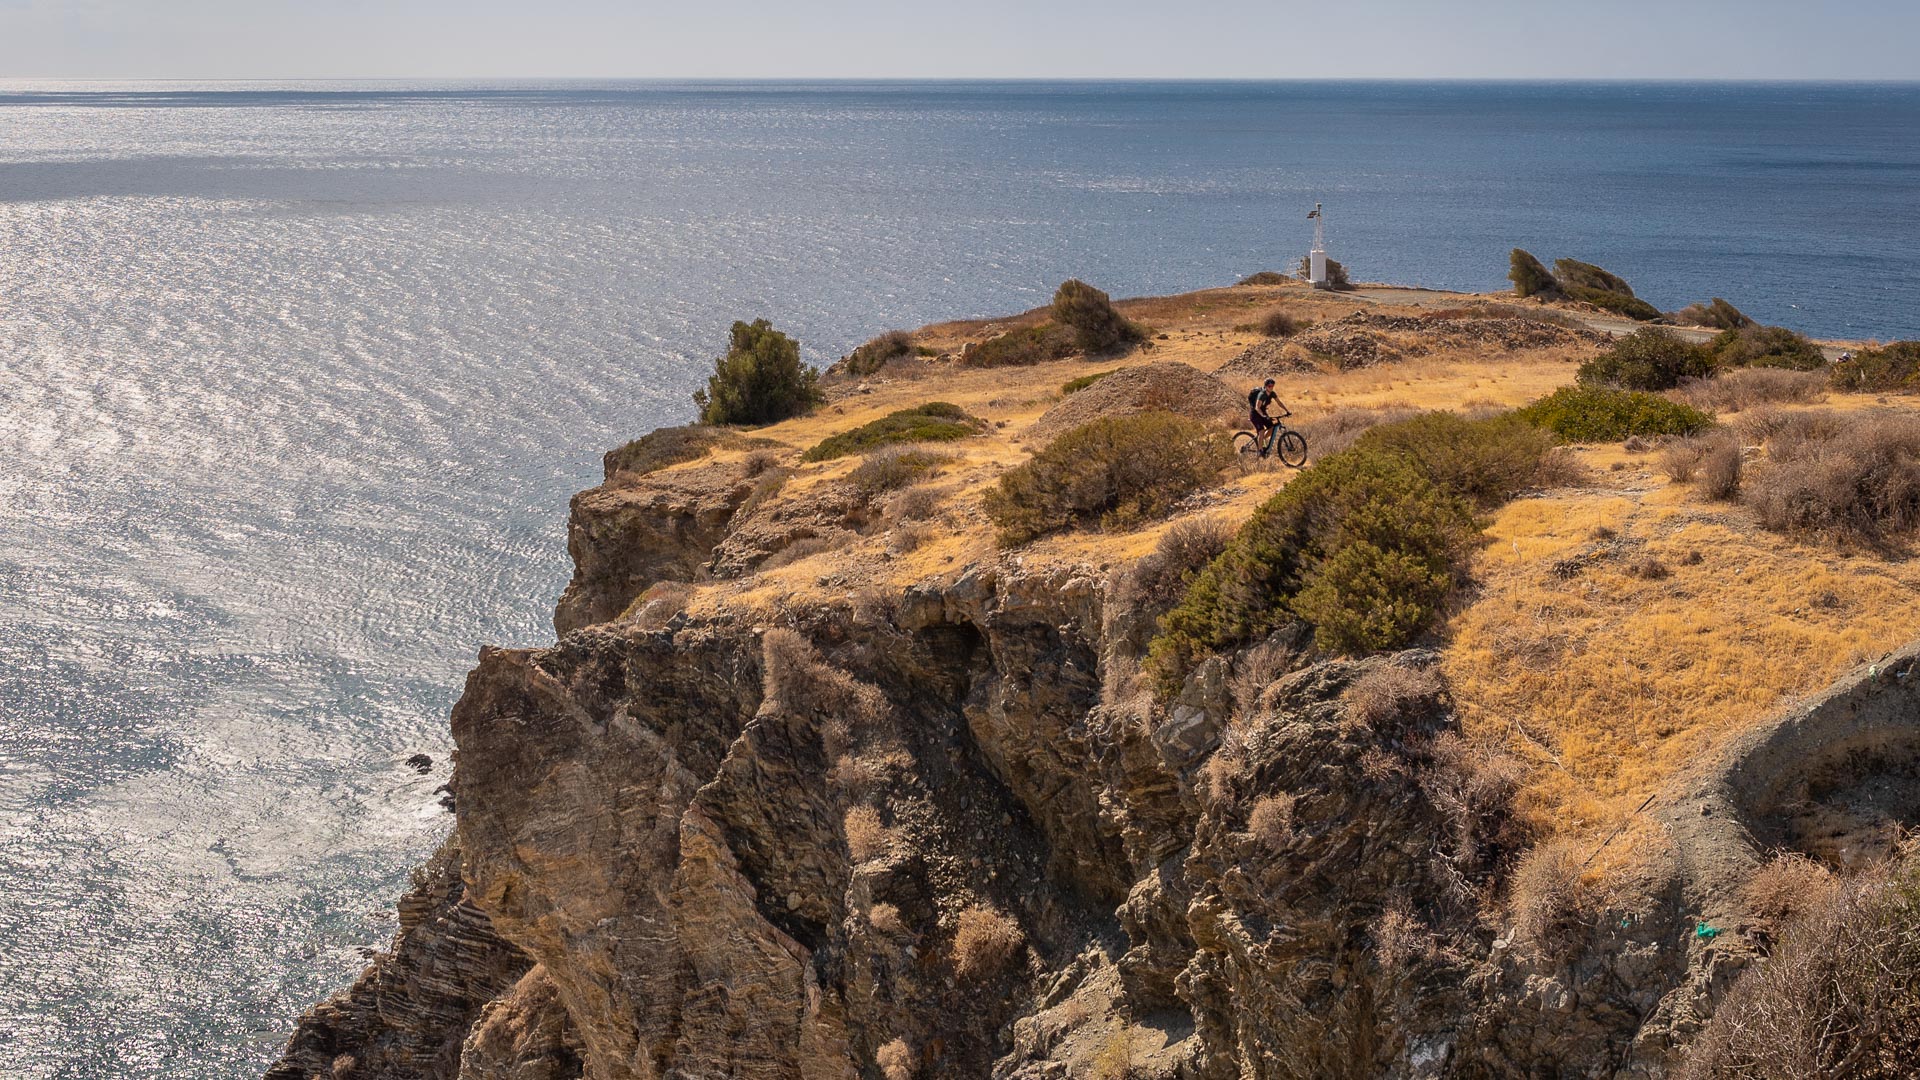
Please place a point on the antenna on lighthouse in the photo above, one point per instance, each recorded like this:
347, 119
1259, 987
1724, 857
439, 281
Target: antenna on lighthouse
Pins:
1317, 258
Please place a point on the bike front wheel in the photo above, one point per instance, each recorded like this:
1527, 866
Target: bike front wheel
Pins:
1292, 448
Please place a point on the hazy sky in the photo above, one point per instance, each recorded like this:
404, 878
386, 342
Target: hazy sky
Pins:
1866, 39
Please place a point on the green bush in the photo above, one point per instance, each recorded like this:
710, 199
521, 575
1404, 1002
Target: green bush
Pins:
1291, 560
936, 421
1890, 369
1604, 414
1265, 277
661, 448
1484, 461
1650, 358
873, 355
759, 381
1074, 386
1716, 313
1118, 471
1574, 274
1766, 346
1529, 275
1097, 327
1021, 348
1364, 544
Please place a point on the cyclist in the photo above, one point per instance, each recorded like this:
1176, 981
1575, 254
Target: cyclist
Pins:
1259, 400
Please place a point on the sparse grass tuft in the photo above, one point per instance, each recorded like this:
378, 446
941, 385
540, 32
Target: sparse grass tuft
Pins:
1746, 388
1711, 461
892, 467
1271, 821
867, 837
1549, 902
985, 942
1390, 693
895, 1060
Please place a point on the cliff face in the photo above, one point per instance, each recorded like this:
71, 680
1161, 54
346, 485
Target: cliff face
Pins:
746, 847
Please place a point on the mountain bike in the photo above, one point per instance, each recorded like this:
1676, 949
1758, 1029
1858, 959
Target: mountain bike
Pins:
1282, 441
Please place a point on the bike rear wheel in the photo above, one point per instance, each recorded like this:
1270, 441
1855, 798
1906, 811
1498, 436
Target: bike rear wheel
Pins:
1292, 448
1247, 445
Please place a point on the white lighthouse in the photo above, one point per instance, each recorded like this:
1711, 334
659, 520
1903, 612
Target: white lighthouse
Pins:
1317, 258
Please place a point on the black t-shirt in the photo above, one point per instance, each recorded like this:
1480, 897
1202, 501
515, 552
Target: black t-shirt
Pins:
1259, 396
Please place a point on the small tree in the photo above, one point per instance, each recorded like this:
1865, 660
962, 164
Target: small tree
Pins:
1529, 275
759, 381
1096, 326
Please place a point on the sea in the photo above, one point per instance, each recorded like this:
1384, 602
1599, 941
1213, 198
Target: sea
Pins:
296, 380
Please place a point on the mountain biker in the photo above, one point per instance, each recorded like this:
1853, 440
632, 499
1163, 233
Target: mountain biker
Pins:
1259, 400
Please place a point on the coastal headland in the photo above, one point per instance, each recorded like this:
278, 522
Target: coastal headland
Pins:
920, 735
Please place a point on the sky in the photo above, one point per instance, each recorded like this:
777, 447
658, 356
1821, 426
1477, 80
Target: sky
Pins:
297, 39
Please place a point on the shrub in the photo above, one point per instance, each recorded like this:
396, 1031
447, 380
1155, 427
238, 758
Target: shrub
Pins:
1651, 358
1265, 277
893, 467
1839, 997
1549, 902
1744, 388
895, 1060
1096, 326
1158, 580
985, 942
759, 381
1712, 459
1407, 537
1603, 414
867, 838
1716, 313
661, 448
886, 919
1890, 369
1021, 348
936, 421
1271, 821
1488, 461
1860, 485
1574, 274
1767, 347
1473, 784
1073, 386
913, 504
1118, 470
1283, 324
873, 355
1390, 693
1530, 276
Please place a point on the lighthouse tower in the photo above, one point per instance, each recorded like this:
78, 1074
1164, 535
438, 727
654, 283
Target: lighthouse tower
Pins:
1317, 258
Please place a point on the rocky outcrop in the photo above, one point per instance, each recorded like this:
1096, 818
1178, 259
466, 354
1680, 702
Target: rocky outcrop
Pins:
634, 531
408, 1013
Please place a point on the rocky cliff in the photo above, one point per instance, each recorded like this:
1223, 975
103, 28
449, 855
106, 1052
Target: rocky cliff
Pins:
910, 813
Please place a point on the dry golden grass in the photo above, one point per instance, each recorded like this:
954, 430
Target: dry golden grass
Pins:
985, 942
895, 1060
1607, 681
867, 837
